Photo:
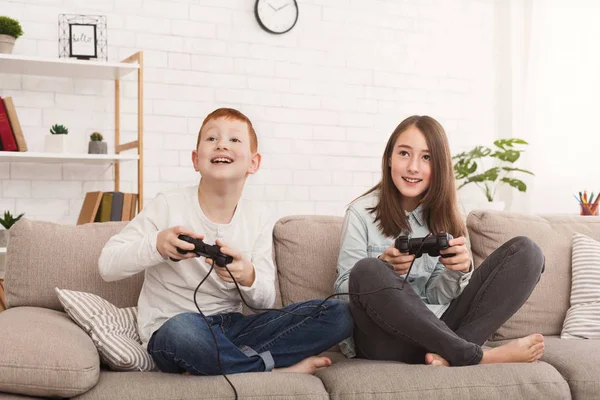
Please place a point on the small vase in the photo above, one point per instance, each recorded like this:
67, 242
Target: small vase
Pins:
56, 144
7, 43
96, 147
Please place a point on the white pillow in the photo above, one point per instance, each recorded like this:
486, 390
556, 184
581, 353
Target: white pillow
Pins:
113, 330
583, 317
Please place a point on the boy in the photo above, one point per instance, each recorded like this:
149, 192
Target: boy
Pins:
169, 324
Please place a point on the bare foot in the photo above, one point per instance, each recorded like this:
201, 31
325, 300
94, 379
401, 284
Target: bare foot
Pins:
309, 365
526, 349
436, 359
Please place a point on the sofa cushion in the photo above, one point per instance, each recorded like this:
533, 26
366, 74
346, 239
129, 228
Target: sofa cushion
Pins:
545, 309
163, 386
365, 379
578, 361
306, 252
583, 317
43, 353
44, 255
113, 330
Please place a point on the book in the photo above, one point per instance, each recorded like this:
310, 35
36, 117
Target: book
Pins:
13, 119
126, 212
132, 212
6, 134
116, 208
89, 209
103, 214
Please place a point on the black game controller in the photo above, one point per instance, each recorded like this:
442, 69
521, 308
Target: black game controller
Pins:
202, 249
428, 245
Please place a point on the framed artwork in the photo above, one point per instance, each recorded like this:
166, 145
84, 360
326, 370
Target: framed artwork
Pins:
82, 37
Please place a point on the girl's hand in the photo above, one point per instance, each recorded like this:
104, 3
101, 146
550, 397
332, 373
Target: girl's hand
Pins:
461, 261
241, 268
399, 261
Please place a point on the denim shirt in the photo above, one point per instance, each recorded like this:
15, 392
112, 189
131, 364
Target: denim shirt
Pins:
362, 238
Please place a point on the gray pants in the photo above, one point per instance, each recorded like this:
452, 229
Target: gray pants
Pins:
396, 325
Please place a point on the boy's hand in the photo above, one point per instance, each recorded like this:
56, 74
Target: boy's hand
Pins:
241, 268
462, 259
399, 261
168, 240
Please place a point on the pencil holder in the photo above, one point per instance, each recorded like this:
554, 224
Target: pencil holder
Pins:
589, 209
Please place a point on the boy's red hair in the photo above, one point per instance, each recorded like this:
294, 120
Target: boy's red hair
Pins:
231, 113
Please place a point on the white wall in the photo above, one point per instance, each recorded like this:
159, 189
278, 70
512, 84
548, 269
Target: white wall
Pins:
324, 97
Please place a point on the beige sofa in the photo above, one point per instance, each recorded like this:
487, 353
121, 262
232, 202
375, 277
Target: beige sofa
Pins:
43, 353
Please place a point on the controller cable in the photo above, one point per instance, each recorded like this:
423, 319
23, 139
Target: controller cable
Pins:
417, 254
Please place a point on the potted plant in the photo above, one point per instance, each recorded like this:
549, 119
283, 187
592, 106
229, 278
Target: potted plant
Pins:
469, 168
96, 145
7, 222
10, 30
57, 141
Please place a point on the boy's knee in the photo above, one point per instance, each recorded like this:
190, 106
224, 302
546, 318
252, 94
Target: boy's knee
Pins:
183, 331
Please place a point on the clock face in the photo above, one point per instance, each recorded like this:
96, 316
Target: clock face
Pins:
276, 16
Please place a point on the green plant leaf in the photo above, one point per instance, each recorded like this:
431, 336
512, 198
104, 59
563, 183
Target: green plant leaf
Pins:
510, 169
516, 183
489, 175
10, 27
508, 155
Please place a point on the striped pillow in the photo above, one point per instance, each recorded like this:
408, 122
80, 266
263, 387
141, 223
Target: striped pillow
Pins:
113, 330
583, 318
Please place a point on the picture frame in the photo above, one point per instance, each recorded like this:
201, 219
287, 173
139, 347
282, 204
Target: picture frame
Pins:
82, 36
82, 41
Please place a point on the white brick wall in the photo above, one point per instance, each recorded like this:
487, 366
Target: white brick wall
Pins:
324, 97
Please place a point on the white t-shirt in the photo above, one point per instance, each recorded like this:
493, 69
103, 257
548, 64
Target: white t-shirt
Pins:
169, 286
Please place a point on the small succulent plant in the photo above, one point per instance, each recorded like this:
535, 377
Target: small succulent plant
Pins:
58, 130
96, 137
9, 220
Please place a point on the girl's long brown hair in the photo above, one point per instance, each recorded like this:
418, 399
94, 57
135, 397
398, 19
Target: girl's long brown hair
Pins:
440, 208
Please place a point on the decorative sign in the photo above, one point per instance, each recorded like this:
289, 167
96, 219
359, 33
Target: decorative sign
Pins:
82, 37
82, 41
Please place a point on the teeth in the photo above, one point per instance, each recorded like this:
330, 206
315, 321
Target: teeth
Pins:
412, 180
221, 160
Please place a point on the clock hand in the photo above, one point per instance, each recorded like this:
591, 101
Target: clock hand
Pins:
283, 6
270, 5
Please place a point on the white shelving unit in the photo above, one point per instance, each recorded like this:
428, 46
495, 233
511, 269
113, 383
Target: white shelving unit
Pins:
83, 69
2, 250
65, 67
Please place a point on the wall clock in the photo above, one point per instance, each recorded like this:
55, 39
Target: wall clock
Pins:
276, 16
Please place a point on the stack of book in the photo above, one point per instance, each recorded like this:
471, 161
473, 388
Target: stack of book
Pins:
11, 134
107, 206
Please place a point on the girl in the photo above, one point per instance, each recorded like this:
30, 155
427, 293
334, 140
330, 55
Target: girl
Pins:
446, 311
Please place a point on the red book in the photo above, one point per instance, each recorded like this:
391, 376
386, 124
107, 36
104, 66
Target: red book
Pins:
6, 134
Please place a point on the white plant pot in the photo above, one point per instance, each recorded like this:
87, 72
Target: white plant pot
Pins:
7, 43
58, 144
3, 237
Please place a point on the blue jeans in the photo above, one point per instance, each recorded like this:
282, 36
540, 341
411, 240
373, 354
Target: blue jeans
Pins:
251, 343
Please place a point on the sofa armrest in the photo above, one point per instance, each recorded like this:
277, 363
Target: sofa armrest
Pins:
43, 353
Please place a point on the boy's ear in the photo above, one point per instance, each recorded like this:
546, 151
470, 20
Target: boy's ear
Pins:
254, 163
195, 159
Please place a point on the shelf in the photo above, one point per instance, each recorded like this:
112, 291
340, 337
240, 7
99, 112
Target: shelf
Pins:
28, 156
2, 250
65, 67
